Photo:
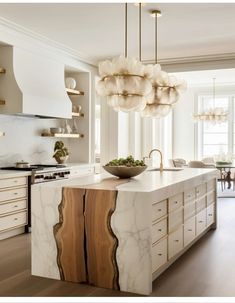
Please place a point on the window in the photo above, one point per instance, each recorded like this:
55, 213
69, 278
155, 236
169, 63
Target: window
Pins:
216, 139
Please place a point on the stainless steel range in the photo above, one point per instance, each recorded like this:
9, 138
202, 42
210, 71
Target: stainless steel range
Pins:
44, 173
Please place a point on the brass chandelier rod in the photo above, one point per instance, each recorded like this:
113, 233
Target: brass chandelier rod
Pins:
156, 13
140, 32
125, 35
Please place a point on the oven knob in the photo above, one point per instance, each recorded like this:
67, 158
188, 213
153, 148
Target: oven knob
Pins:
62, 175
46, 177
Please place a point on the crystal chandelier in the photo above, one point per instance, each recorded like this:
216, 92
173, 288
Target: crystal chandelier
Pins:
125, 82
166, 89
214, 115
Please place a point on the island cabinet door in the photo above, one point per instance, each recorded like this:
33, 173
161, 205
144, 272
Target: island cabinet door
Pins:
159, 254
175, 242
189, 230
86, 244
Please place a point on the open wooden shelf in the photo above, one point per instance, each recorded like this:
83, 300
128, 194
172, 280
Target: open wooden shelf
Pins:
77, 114
2, 70
2, 102
73, 92
63, 135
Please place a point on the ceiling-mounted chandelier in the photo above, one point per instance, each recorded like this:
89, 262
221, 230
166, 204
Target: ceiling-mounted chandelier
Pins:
212, 115
166, 89
125, 82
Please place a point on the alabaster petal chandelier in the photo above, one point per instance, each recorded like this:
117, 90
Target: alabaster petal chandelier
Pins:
129, 85
125, 82
214, 114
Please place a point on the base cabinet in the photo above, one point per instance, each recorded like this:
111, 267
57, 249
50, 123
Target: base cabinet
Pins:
187, 215
13, 206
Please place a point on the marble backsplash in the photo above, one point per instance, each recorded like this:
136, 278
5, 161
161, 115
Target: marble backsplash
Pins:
23, 141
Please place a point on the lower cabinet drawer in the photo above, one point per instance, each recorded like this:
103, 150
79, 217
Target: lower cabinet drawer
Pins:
211, 185
159, 210
189, 230
210, 215
175, 219
211, 198
12, 206
11, 194
10, 182
200, 222
159, 230
189, 195
200, 204
175, 242
12, 221
189, 210
159, 254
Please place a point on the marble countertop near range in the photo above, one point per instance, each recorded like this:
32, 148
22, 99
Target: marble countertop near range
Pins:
4, 174
146, 182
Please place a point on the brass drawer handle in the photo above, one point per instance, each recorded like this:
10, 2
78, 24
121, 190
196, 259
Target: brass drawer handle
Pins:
176, 202
176, 240
210, 215
16, 206
160, 229
159, 254
200, 221
15, 219
15, 193
159, 209
190, 230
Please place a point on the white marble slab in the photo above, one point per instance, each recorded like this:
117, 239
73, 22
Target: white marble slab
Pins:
4, 174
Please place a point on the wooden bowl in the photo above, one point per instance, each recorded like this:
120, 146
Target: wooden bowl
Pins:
124, 172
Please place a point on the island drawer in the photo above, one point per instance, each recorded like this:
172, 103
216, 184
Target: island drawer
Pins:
175, 242
189, 195
11, 221
200, 204
175, 219
159, 254
175, 202
11, 194
12, 206
200, 190
200, 222
159, 210
211, 185
211, 198
189, 230
5, 183
159, 230
189, 210
210, 215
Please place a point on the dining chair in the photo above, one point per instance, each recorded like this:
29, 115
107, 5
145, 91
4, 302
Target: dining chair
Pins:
178, 162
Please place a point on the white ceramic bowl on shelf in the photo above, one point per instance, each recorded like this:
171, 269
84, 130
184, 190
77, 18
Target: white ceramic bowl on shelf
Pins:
57, 130
70, 83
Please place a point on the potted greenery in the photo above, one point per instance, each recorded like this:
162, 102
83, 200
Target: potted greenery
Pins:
60, 152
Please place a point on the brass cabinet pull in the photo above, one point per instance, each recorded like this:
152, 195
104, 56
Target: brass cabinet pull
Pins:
15, 193
160, 229
15, 219
176, 202
15, 205
200, 221
159, 254
190, 230
159, 209
210, 215
176, 240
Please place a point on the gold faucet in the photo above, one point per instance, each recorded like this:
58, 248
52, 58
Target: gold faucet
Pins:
161, 161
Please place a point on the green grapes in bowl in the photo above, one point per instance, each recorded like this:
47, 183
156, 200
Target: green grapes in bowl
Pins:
125, 167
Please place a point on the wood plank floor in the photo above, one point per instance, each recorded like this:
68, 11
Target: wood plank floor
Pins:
207, 269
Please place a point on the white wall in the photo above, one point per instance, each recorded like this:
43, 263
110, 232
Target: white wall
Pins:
183, 127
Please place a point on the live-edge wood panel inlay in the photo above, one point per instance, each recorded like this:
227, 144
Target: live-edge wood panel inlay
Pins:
101, 241
86, 244
69, 235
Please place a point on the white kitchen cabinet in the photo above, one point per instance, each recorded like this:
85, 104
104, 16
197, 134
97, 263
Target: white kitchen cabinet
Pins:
188, 214
13, 205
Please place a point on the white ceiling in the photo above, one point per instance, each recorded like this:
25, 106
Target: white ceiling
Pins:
97, 30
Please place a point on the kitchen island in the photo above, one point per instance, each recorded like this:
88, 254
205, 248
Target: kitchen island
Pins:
120, 233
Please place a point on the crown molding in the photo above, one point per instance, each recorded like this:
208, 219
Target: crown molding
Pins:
194, 59
45, 42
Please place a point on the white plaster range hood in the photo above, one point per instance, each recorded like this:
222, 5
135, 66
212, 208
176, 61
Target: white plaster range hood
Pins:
33, 85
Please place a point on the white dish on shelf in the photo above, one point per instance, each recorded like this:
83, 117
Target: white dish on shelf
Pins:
57, 130
70, 83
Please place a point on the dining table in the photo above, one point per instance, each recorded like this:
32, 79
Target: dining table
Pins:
226, 167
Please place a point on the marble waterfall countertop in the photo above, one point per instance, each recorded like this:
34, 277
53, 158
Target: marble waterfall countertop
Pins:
113, 215
148, 181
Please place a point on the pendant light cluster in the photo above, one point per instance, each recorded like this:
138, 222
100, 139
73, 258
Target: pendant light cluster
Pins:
129, 85
213, 115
